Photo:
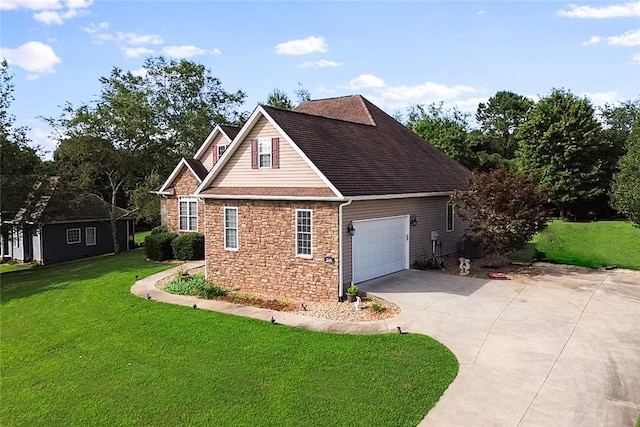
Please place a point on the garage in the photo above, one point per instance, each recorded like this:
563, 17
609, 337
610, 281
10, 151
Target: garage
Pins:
380, 246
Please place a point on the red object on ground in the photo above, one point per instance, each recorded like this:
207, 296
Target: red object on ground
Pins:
499, 276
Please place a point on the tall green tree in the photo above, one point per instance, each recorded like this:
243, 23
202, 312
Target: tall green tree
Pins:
446, 129
278, 98
625, 190
20, 165
561, 143
139, 126
498, 119
618, 121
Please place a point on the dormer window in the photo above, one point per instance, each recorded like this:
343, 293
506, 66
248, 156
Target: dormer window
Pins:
221, 149
264, 152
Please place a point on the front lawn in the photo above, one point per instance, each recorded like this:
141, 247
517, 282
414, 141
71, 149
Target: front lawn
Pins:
78, 349
8, 267
588, 244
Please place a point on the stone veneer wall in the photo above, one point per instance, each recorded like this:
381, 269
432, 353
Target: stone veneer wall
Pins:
265, 264
184, 185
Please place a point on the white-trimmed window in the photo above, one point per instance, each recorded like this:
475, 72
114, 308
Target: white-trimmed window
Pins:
231, 228
188, 214
73, 236
304, 232
264, 152
90, 236
221, 149
450, 217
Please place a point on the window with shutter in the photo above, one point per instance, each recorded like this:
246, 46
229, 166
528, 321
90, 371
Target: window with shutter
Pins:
264, 152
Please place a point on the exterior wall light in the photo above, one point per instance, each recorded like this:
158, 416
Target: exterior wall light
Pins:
413, 220
351, 229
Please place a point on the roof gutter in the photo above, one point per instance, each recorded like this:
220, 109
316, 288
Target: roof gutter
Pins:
340, 249
402, 195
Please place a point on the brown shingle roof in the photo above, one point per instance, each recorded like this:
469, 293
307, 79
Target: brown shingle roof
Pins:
231, 131
364, 159
349, 108
198, 168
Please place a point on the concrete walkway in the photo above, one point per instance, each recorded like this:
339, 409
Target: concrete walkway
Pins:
561, 349
146, 286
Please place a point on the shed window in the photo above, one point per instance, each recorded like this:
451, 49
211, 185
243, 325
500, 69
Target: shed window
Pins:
188, 214
450, 217
73, 236
90, 236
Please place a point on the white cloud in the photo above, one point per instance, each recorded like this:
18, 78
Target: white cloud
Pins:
133, 39
624, 10
94, 29
630, 38
322, 63
302, 47
41, 138
30, 77
140, 72
601, 98
635, 58
592, 40
481, 12
30, 4
469, 105
49, 11
425, 93
215, 51
135, 52
35, 57
49, 17
366, 81
186, 51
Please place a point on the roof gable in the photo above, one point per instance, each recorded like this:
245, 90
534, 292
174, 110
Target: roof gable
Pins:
258, 116
194, 166
228, 132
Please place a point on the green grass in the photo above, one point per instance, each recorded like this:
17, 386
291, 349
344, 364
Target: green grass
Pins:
140, 236
78, 349
8, 268
587, 244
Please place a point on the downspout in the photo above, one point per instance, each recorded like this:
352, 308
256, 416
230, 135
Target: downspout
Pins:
340, 250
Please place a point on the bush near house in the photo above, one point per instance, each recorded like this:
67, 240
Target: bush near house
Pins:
157, 246
188, 246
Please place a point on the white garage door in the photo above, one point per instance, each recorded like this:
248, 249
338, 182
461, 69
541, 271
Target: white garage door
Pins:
380, 246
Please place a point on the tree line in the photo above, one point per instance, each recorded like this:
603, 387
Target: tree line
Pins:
125, 142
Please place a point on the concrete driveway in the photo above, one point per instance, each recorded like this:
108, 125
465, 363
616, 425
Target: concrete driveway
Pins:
560, 349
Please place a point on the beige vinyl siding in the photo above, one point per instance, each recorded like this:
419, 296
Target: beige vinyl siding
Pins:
431, 213
208, 155
293, 171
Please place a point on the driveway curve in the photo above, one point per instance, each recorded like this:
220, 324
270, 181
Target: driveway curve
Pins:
559, 349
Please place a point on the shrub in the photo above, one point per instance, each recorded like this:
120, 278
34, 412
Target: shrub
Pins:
504, 210
376, 306
352, 290
158, 246
160, 229
188, 246
195, 285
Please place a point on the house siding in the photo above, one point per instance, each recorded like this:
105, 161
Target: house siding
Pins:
208, 156
184, 185
293, 170
54, 241
431, 215
265, 263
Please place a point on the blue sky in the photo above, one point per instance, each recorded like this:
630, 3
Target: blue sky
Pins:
394, 53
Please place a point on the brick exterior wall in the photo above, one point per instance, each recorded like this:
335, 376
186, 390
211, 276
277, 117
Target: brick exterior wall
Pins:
184, 185
265, 264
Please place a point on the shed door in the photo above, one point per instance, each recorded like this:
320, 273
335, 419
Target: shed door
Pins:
380, 246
